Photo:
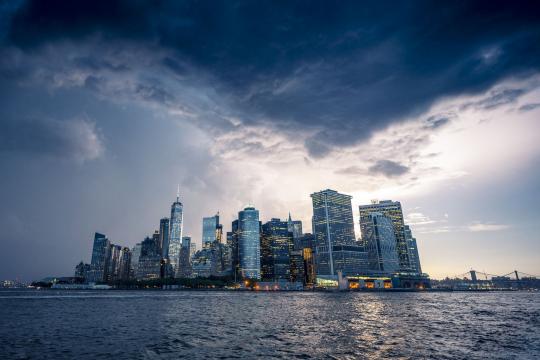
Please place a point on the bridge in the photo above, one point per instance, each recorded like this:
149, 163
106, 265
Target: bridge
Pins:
474, 279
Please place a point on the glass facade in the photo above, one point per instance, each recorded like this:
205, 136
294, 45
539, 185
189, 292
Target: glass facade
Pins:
249, 250
100, 257
392, 210
175, 237
164, 232
414, 258
380, 243
295, 227
276, 246
333, 226
212, 230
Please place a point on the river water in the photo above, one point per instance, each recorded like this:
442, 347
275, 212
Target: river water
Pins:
50, 324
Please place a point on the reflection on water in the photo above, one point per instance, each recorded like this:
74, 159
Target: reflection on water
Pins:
169, 325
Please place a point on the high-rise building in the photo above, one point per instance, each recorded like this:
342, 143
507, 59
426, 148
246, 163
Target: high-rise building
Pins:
135, 255
212, 230
149, 266
113, 262
249, 251
380, 243
296, 261
333, 228
82, 270
414, 258
100, 257
276, 246
164, 232
392, 210
175, 237
185, 265
295, 227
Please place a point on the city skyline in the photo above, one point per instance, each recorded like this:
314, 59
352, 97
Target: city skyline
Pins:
105, 109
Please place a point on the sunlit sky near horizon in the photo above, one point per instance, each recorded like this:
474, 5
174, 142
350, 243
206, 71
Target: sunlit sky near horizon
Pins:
106, 106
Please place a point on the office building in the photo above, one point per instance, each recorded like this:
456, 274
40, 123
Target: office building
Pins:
149, 266
392, 210
164, 232
414, 258
100, 257
175, 237
380, 243
248, 244
335, 245
185, 264
212, 230
276, 245
295, 227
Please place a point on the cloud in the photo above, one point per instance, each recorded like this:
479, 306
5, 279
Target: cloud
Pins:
388, 168
338, 74
497, 98
479, 226
417, 218
529, 107
76, 139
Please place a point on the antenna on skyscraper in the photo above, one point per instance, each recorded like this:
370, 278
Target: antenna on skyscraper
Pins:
178, 193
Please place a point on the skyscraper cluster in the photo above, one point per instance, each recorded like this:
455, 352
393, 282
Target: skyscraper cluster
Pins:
274, 252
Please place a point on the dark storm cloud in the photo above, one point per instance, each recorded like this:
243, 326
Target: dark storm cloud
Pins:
76, 139
342, 72
388, 168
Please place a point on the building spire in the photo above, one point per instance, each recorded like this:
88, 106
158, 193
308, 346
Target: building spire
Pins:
178, 193
290, 220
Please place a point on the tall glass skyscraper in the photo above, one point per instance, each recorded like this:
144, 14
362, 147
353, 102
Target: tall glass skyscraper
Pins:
164, 232
100, 257
380, 243
249, 250
212, 230
414, 258
392, 210
175, 237
276, 247
333, 229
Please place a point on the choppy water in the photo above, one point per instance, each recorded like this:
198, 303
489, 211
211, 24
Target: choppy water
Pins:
196, 324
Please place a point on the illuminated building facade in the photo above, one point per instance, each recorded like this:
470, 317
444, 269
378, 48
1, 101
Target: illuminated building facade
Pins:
249, 251
276, 246
380, 243
149, 266
392, 210
175, 237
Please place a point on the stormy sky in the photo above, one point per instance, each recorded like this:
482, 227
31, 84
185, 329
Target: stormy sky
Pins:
105, 106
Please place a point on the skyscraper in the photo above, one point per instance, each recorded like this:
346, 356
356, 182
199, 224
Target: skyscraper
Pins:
392, 210
414, 258
276, 246
249, 251
295, 227
333, 228
175, 237
164, 232
100, 257
380, 243
149, 260
212, 230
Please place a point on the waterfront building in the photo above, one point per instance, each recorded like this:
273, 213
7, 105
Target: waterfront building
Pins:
248, 244
82, 270
175, 237
335, 245
113, 262
309, 266
185, 265
296, 261
100, 257
393, 210
414, 258
276, 245
149, 266
295, 227
134, 263
164, 232
212, 230
380, 243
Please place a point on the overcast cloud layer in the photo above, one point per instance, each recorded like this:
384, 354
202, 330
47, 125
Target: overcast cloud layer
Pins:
106, 106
